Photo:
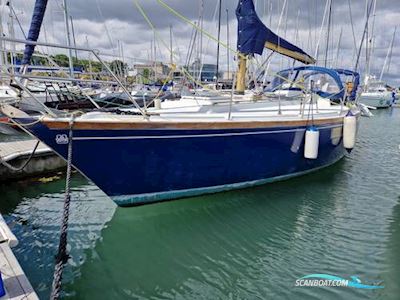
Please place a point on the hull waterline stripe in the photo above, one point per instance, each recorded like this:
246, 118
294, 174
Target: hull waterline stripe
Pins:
142, 199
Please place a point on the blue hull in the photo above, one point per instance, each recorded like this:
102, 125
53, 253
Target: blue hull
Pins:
136, 167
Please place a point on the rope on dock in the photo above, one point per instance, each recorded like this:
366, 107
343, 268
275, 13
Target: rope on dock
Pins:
62, 255
23, 166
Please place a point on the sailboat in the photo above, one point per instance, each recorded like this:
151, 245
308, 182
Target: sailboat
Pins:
376, 94
144, 158
374, 91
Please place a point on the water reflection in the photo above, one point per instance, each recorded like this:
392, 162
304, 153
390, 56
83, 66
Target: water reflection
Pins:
392, 271
205, 247
33, 211
257, 242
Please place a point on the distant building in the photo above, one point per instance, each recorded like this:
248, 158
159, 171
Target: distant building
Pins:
156, 70
208, 71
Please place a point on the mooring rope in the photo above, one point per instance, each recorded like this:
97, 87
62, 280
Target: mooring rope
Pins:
62, 255
23, 166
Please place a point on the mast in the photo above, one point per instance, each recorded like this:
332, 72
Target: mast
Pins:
367, 42
328, 33
192, 43
12, 35
118, 68
338, 47
284, 14
71, 65
89, 59
241, 75
388, 55
219, 38
321, 30
281, 17
228, 43
73, 37
155, 58
372, 38
124, 70
171, 58
3, 53
200, 45
365, 34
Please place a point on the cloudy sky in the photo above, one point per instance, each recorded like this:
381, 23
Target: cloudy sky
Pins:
105, 24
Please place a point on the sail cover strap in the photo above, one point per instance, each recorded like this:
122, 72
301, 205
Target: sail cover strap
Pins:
254, 36
34, 30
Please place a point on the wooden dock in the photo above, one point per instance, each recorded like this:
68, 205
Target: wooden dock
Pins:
16, 153
12, 150
16, 284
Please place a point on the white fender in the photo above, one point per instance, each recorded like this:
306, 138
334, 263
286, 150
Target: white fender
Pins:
349, 131
311, 145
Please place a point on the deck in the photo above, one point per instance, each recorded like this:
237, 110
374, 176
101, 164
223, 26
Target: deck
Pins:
16, 153
15, 282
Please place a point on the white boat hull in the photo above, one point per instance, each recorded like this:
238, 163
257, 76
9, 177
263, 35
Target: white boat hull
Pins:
377, 99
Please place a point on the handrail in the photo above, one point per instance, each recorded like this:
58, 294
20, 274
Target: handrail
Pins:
27, 42
26, 90
94, 52
58, 79
263, 110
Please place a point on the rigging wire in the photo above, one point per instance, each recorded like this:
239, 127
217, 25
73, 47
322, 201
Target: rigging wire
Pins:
192, 41
18, 21
388, 57
162, 41
105, 26
369, 9
352, 25
322, 27
143, 13
186, 20
372, 39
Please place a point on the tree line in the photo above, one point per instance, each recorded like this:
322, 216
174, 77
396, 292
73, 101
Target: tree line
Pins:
62, 60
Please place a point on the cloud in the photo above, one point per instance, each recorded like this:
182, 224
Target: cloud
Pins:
103, 23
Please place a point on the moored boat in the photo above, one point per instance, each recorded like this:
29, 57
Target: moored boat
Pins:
144, 158
137, 161
376, 94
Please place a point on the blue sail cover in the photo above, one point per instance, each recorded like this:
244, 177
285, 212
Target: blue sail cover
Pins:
254, 36
34, 30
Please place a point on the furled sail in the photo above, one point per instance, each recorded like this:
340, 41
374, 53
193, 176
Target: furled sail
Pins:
254, 36
34, 30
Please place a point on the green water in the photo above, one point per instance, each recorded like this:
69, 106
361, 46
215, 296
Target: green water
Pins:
248, 244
